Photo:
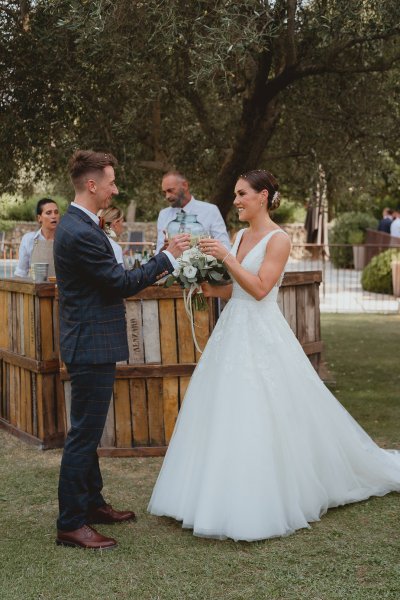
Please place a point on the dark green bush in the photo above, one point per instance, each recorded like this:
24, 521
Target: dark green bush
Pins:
377, 275
344, 232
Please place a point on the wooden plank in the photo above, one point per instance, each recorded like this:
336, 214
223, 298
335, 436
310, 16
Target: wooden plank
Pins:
122, 412
151, 332
11, 396
309, 316
49, 405
145, 451
59, 405
186, 351
21, 323
46, 329
170, 394
300, 313
140, 419
16, 317
9, 322
135, 331
34, 404
32, 328
301, 277
16, 397
169, 353
3, 319
56, 328
39, 407
37, 366
183, 384
108, 437
67, 402
289, 312
26, 330
157, 292
155, 411
202, 328
28, 401
23, 400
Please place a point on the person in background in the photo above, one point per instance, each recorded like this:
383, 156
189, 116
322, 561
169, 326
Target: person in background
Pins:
395, 226
48, 217
113, 226
175, 188
386, 221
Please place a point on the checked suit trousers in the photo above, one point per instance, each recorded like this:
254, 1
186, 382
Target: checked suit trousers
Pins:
80, 482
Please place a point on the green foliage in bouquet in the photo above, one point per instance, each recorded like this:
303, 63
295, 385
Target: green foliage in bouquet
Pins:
377, 275
195, 268
347, 230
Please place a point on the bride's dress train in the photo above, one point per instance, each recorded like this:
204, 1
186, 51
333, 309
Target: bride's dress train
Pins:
261, 447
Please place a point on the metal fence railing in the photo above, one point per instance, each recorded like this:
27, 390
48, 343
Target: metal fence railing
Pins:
341, 289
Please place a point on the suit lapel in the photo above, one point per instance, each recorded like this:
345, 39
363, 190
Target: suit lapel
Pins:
89, 221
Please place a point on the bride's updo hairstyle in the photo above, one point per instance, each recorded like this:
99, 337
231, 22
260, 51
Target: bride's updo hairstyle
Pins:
263, 180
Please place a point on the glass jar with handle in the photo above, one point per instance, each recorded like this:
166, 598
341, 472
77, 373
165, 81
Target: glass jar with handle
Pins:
186, 223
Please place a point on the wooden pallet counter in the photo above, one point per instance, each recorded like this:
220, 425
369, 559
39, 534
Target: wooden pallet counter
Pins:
31, 394
149, 388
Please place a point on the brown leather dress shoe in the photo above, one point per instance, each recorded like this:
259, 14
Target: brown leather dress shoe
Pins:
85, 537
107, 515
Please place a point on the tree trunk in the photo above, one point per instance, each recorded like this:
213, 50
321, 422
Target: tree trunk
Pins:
251, 141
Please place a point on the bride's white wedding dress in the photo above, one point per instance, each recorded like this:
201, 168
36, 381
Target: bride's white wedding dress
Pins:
261, 447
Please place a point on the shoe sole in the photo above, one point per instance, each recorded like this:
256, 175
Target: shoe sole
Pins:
73, 545
111, 522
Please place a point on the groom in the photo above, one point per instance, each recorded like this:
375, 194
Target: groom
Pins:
91, 287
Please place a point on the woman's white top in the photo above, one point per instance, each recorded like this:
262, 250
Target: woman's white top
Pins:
25, 252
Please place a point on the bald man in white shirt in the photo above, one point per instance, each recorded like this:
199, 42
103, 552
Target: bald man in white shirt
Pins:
176, 191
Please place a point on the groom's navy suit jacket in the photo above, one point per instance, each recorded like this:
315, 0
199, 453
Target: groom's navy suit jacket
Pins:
91, 287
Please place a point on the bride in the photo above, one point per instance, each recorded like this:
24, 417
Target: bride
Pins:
261, 447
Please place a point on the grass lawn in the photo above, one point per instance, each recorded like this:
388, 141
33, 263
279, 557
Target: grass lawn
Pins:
353, 553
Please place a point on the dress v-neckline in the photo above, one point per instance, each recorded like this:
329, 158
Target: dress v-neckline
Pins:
255, 245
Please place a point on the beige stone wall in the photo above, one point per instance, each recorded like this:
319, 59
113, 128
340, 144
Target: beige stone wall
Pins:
296, 232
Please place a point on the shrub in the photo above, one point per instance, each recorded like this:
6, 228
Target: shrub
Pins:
288, 212
14, 208
377, 275
344, 232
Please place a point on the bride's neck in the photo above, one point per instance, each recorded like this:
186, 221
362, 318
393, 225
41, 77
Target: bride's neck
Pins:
261, 224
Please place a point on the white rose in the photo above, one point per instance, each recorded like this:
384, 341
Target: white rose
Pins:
189, 271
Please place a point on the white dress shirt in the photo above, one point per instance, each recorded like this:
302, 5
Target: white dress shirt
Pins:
25, 252
395, 227
207, 214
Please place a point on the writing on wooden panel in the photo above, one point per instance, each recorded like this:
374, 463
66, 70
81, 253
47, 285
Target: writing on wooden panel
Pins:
135, 331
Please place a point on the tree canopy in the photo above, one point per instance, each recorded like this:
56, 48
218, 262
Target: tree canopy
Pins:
211, 88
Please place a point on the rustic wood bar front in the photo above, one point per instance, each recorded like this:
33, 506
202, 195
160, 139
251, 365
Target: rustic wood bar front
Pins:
149, 387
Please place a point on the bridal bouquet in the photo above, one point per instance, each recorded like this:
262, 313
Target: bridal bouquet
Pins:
194, 268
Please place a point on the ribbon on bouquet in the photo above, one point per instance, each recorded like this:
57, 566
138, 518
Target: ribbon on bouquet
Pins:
187, 300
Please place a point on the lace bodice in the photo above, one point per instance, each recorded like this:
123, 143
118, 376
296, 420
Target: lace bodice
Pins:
252, 263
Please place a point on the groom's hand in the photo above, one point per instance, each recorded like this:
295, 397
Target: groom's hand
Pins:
179, 244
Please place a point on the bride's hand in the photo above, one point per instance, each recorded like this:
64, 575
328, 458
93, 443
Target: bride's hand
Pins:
213, 247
